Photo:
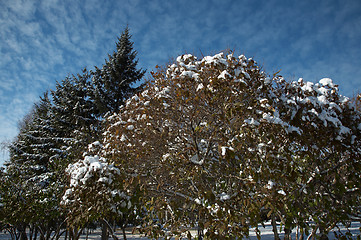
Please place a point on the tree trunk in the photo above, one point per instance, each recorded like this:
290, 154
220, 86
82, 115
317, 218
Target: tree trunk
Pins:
22, 231
74, 234
23, 236
31, 231
104, 230
12, 232
200, 233
323, 234
36, 233
287, 234
71, 234
42, 234
274, 227
313, 233
299, 233
123, 225
48, 233
200, 227
124, 234
107, 226
114, 226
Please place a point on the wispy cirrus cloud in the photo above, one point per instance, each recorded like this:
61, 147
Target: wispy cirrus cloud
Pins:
44, 41
40, 42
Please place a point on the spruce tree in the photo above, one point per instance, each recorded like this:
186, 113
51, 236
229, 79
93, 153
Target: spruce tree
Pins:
33, 146
56, 133
115, 81
30, 182
74, 118
109, 87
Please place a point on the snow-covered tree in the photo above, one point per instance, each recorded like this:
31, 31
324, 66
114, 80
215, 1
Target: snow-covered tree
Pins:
57, 132
74, 116
95, 193
324, 153
31, 183
33, 144
217, 143
107, 90
115, 81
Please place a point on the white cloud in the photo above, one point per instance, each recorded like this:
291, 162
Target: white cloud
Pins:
43, 41
22, 8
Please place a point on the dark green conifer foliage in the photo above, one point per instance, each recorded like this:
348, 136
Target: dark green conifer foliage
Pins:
56, 133
74, 118
114, 82
33, 147
30, 186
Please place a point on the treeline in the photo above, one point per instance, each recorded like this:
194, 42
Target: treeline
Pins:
55, 133
214, 144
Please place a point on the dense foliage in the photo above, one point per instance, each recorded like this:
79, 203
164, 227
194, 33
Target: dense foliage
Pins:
222, 146
55, 135
114, 82
214, 144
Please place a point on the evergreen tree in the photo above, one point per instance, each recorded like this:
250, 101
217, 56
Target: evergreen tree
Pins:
73, 116
32, 145
110, 87
76, 125
30, 182
56, 133
114, 82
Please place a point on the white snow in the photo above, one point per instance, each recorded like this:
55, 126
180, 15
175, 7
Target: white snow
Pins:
224, 197
83, 171
238, 71
322, 99
195, 159
308, 87
252, 121
216, 59
225, 75
199, 87
123, 138
224, 150
327, 82
189, 74
270, 184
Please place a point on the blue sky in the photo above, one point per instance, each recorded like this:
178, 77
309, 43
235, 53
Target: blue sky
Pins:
43, 41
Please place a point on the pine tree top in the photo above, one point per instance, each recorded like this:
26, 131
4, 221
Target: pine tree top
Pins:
114, 82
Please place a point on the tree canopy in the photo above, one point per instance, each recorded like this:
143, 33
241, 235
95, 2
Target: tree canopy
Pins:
54, 135
218, 143
214, 143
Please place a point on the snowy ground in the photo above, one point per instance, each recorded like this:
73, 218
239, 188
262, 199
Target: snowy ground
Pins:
267, 234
